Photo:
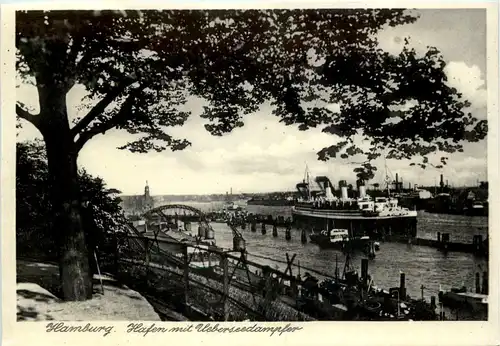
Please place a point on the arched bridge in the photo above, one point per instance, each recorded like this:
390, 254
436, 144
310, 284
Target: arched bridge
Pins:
179, 212
179, 217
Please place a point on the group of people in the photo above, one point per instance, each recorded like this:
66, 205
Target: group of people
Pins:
320, 202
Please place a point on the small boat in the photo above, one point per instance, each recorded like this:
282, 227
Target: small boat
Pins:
476, 208
231, 206
334, 238
339, 238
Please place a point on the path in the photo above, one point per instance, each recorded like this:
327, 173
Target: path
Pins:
36, 300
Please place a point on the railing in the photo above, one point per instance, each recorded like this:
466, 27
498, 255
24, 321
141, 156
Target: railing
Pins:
206, 281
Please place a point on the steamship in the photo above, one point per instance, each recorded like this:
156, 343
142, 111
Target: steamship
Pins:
320, 207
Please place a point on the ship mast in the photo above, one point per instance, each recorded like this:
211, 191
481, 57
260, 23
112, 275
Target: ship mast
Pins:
308, 183
387, 180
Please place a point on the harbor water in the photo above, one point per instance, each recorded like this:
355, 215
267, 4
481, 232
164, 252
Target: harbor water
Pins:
422, 265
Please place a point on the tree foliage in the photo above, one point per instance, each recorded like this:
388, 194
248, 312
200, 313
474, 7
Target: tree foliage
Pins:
33, 205
34, 214
140, 66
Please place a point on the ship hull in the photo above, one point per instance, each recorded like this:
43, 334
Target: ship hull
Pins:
358, 224
413, 203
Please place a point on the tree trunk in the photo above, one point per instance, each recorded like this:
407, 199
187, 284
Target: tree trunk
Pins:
76, 282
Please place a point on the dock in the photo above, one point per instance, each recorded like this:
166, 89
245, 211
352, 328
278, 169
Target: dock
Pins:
477, 246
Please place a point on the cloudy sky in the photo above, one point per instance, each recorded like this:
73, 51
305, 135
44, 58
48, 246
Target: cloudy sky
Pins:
266, 155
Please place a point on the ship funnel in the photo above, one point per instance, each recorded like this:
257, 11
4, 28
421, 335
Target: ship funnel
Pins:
328, 191
362, 191
344, 192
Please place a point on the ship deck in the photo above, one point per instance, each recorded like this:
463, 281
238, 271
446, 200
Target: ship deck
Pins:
347, 214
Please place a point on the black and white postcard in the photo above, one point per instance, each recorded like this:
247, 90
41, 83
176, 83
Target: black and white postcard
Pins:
249, 173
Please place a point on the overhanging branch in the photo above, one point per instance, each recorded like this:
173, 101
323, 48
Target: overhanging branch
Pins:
121, 116
101, 128
24, 114
99, 108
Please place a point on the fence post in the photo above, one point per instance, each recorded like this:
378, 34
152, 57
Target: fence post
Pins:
186, 275
294, 289
146, 252
225, 286
146, 256
116, 253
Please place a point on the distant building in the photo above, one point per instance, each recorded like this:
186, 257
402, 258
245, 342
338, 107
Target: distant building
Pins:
138, 204
147, 199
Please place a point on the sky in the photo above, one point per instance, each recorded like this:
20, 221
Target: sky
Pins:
265, 155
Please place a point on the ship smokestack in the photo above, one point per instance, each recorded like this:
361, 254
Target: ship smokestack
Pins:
397, 182
441, 182
328, 191
344, 192
362, 191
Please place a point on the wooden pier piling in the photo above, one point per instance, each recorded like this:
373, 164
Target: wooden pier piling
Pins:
364, 271
477, 243
303, 236
484, 289
402, 286
445, 240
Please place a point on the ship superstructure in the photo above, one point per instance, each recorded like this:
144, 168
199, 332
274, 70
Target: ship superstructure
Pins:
320, 204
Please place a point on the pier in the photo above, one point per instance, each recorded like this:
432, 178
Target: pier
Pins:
477, 246
267, 220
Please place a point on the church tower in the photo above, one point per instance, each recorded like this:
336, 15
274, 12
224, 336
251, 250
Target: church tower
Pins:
148, 200
146, 191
